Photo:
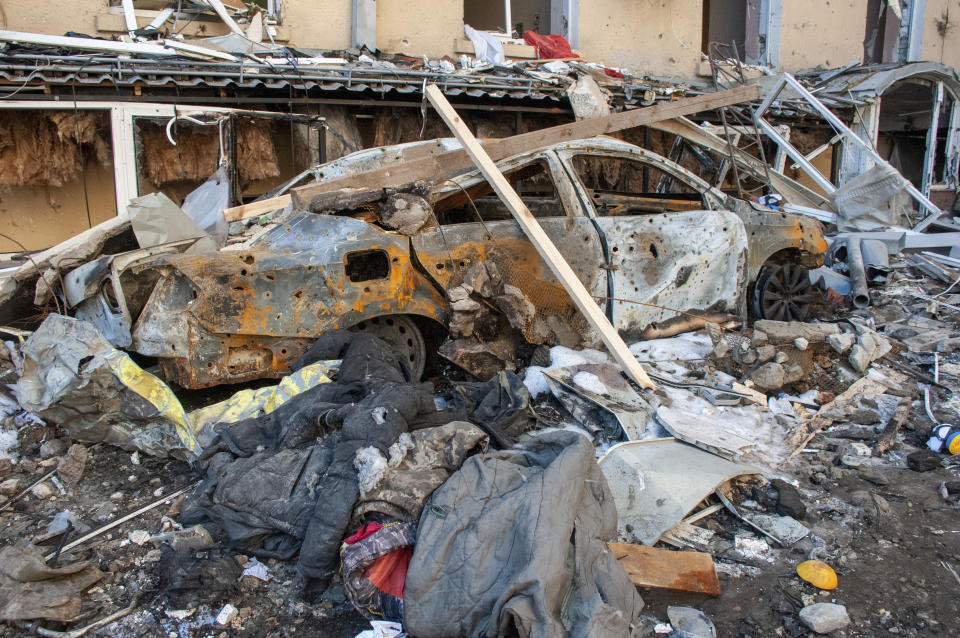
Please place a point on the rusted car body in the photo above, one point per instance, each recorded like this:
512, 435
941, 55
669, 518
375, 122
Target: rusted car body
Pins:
651, 241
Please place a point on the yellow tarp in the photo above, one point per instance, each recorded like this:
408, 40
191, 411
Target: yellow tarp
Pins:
156, 392
244, 404
247, 404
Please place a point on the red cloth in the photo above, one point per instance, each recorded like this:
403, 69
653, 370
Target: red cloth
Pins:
389, 572
368, 529
549, 46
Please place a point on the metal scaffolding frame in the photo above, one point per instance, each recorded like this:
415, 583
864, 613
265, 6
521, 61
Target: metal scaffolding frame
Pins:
848, 137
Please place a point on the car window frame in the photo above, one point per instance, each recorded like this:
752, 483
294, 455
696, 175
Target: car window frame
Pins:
712, 198
563, 188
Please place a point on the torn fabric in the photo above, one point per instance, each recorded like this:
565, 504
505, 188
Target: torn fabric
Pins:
871, 200
486, 48
30, 590
513, 544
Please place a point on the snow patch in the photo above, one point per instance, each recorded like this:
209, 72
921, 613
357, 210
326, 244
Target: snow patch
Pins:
8, 441
591, 382
684, 347
560, 357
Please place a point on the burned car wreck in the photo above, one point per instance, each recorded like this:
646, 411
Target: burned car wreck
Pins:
672, 250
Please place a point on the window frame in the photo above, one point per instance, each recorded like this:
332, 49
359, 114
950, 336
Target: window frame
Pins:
465, 181
712, 198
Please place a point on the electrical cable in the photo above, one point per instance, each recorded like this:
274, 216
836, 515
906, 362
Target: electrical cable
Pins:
26, 254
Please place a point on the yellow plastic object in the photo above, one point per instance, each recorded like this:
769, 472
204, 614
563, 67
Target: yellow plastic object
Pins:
192, 429
247, 404
156, 392
818, 574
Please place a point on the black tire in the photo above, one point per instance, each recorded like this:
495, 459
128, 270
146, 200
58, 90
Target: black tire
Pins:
782, 292
403, 334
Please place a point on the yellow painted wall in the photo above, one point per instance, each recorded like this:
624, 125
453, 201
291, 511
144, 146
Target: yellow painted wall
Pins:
40, 216
941, 32
51, 17
418, 28
320, 25
827, 33
660, 37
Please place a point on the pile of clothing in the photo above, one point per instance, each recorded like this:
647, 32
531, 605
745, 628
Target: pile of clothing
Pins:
375, 475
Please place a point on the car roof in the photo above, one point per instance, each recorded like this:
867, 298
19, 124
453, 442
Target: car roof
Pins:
381, 156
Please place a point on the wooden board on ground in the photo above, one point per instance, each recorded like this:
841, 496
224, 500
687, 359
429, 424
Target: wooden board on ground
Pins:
688, 536
453, 161
666, 569
538, 237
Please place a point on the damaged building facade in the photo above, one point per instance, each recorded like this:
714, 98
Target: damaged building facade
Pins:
542, 317
120, 147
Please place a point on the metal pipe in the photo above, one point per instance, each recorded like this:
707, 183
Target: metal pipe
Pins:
508, 18
859, 294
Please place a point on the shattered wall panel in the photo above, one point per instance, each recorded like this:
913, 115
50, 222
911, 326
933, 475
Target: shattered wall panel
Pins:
399, 125
194, 158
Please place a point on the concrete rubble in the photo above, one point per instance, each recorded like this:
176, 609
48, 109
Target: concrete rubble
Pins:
390, 395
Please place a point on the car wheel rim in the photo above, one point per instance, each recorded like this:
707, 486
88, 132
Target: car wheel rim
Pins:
403, 336
784, 293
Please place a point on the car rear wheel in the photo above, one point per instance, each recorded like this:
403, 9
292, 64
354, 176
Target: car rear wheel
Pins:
782, 292
403, 335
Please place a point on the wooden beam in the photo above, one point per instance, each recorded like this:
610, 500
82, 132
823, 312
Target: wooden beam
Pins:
454, 161
538, 237
254, 209
667, 569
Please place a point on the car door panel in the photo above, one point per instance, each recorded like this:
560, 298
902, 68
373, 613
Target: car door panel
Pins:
447, 252
674, 263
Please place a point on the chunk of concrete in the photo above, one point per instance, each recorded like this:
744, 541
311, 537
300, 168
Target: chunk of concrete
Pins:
769, 376
841, 342
824, 618
766, 353
54, 447
405, 213
869, 347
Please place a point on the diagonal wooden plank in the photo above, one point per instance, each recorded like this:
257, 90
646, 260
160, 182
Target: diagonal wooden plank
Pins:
538, 237
667, 569
452, 161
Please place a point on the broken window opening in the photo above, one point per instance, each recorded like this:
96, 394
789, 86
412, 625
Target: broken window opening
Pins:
533, 182
272, 8
725, 22
905, 116
941, 165
267, 153
522, 15
626, 186
58, 165
367, 265
882, 38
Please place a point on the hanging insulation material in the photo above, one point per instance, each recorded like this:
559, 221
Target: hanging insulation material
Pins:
256, 152
45, 148
195, 156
